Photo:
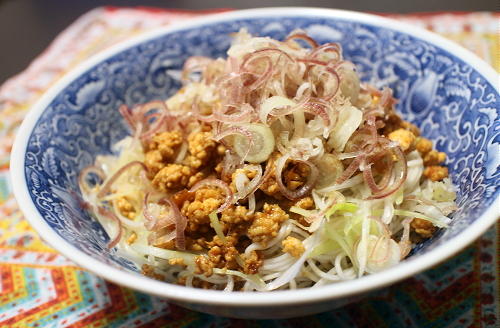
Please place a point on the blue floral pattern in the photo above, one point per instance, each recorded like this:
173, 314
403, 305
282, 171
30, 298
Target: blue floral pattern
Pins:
452, 103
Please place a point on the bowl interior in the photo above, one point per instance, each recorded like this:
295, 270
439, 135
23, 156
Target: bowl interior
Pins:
449, 100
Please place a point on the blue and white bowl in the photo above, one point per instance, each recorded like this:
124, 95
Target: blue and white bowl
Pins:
448, 92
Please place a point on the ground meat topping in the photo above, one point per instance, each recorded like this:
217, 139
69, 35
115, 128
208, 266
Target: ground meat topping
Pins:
166, 245
224, 256
125, 207
172, 177
293, 246
132, 238
221, 254
404, 137
194, 179
204, 265
423, 228
270, 187
154, 162
434, 158
199, 283
267, 223
436, 173
431, 158
410, 127
236, 215
206, 200
423, 145
177, 261
221, 149
149, 271
306, 203
182, 196
161, 150
252, 263
196, 244
166, 143
394, 122
296, 175
201, 147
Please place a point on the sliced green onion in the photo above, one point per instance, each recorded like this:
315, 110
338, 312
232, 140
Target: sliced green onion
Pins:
340, 240
215, 223
262, 143
438, 223
342, 207
349, 120
352, 223
325, 247
399, 196
442, 195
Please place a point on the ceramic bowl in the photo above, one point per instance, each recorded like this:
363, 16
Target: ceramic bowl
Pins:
447, 91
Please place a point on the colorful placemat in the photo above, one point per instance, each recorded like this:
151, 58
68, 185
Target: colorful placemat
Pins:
40, 288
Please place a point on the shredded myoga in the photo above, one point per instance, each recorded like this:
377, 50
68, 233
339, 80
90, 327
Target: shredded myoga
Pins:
275, 168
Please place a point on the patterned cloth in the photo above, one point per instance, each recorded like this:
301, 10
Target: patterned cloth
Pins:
40, 288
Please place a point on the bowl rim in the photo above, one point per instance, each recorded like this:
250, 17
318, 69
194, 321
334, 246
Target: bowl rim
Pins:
274, 298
